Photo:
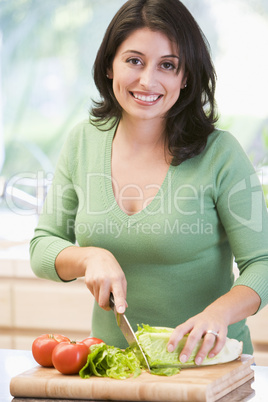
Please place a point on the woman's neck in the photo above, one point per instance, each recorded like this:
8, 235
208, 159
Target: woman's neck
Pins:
141, 136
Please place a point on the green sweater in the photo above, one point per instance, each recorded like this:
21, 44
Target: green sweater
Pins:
177, 253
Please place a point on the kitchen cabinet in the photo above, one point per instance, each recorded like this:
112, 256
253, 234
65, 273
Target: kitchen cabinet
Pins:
258, 325
31, 306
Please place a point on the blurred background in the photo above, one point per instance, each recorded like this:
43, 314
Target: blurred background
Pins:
47, 50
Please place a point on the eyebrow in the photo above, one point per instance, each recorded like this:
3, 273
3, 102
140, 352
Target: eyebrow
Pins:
142, 54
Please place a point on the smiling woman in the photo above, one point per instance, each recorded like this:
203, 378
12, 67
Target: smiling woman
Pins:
151, 166
189, 66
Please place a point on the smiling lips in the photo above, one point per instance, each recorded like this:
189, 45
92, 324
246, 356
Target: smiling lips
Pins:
146, 98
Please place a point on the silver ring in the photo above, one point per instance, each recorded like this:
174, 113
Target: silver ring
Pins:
210, 331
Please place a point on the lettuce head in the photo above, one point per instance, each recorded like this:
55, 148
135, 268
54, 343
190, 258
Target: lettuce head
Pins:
154, 340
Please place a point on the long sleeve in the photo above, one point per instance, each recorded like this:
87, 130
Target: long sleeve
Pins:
55, 230
243, 213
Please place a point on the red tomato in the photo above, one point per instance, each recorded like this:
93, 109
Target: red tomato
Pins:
43, 347
70, 357
92, 341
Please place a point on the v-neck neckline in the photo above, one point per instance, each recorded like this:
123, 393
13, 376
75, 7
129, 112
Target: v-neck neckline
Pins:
110, 200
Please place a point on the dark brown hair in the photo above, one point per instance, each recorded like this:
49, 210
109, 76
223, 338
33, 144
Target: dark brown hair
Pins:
192, 117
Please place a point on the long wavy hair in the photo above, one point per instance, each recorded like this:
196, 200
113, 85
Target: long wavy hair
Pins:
192, 118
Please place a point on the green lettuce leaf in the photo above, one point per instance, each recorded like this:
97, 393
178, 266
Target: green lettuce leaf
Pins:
109, 361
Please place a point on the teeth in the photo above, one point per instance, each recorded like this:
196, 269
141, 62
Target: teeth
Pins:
150, 98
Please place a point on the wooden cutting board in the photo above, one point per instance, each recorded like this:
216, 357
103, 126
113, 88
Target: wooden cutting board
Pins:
208, 383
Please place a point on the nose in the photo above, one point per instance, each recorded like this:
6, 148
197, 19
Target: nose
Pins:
148, 77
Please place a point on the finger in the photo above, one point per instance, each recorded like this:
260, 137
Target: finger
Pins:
94, 291
192, 340
120, 305
219, 344
177, 335
208, 343
93, 287
119, 292
104, 294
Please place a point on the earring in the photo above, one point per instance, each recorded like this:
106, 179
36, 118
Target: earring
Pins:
107, 75
185, 85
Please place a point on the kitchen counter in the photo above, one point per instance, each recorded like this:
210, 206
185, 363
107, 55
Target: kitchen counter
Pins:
14, 362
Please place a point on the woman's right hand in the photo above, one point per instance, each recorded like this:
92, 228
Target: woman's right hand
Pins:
104, 275
101, 271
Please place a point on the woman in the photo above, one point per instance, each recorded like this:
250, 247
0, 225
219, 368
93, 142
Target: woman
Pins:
157, 199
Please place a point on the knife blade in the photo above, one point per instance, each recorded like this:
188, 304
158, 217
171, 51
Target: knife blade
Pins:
127, 331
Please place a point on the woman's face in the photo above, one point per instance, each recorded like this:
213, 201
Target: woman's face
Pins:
144, 72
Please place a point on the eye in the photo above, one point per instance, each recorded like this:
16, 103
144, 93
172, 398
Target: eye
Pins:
168, 66
134, 60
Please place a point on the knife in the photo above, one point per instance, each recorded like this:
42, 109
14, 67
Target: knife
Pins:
127, 331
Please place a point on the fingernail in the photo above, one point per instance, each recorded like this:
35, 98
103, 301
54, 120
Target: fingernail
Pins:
183, 358
211, 355
198, 360
170, 348
120, 309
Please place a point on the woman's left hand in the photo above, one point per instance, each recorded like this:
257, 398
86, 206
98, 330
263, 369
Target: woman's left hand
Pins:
212, 323
209, 326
